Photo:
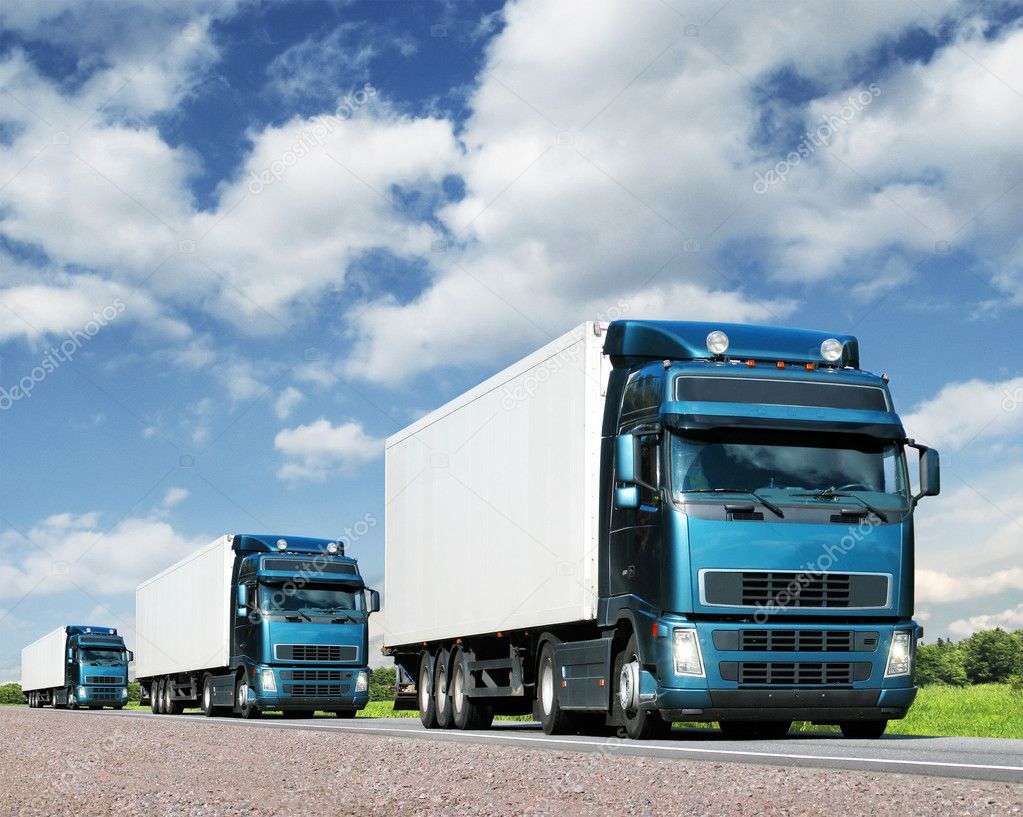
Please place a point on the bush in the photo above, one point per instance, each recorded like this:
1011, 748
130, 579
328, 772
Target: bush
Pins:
940, 663
991, 656
11, 694
134, 692
381, 684
1016, 682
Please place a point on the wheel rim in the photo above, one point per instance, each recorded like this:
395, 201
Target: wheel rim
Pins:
628, 685
243, 696
424, 686
441, 688
547, 688
206, 696
458, 689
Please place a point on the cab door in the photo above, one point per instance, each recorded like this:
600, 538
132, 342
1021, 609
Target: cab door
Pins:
635, 535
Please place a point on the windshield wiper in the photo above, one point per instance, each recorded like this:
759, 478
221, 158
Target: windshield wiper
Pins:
831, 493
766, 503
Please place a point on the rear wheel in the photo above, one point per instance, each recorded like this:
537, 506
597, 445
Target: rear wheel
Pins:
441, 693
466, 712
548, 710
154, 697
863, 730
171, 706
246, 708
424, 692
640, 724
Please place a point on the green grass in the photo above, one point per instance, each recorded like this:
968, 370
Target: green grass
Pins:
985, 710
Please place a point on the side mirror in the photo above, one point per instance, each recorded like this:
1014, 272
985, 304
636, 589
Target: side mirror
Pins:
625, 458
243, 596
374, 601
930, 473
131, 656
627, 497
70, 654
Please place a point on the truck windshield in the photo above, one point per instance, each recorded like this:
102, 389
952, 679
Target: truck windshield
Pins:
790, 467
101, 658
319, 599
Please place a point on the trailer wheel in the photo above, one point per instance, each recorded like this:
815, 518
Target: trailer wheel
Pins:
154, 696
424, 692
863, 730
246, 708
640, 724
170, 706
466, 712
548, 710
441, 693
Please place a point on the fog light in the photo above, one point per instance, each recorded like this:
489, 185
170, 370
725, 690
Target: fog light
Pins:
831, 350
362, 681
900, 655
268, 681
688, 660
717, 342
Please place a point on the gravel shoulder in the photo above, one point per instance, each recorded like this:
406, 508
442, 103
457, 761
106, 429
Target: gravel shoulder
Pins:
82, 763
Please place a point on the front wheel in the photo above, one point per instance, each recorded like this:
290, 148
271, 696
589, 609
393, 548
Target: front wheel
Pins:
863, 730
246, 707
72, 701
640, 724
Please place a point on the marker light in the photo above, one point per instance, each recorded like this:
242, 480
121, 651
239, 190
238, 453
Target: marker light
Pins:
688, 660
282, 544
831, 350
332, 548
900, 654
717, 342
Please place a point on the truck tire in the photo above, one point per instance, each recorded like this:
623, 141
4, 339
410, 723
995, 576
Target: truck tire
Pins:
466, 712
640, 724
208, 708
170, 706
863, 730
72, 701
441, 693
424, 692
246, 708
154, 697
548, 710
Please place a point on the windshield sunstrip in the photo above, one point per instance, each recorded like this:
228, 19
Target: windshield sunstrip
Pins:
778, 392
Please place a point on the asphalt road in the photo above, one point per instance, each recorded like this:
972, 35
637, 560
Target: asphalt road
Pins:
965, 758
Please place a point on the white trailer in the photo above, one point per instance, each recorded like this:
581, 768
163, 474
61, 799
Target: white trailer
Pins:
183, 615
473, 542
43, 662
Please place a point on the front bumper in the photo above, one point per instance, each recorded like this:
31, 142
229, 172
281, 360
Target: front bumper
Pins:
327, 688
866, 693
101, 696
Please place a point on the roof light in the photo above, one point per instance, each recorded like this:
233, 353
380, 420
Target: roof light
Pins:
332, 548
780, 364
717, 342
831, 350
751, 363
282, 544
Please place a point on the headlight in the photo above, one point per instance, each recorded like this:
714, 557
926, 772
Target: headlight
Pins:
124, 693
900, 655
362, 681
688, 660
81, 692
831, 350
268, 681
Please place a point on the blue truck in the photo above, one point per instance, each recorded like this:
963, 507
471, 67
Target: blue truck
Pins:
654, 521
252, 623
76, 666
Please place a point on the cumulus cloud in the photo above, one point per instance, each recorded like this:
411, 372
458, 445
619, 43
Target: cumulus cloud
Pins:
286, 402
1011, 619
937, 586
319, 449
963, 412
69, 552
174, 496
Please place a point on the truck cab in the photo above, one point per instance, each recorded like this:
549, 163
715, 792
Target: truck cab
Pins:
757, 529
96, 672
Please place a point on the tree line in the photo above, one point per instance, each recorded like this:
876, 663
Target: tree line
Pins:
988, 657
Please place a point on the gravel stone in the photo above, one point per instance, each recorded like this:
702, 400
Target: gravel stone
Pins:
56, 763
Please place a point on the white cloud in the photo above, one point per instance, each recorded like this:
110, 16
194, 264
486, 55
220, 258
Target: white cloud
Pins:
316, 450
1011, 619
286, 402
174, 496
963, 412
933, 586
71, 553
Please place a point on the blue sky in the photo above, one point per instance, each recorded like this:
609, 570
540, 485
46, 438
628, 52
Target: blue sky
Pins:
280, 232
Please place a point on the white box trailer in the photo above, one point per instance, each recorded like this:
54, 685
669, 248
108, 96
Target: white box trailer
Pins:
492, 501
183, 615
43, 662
